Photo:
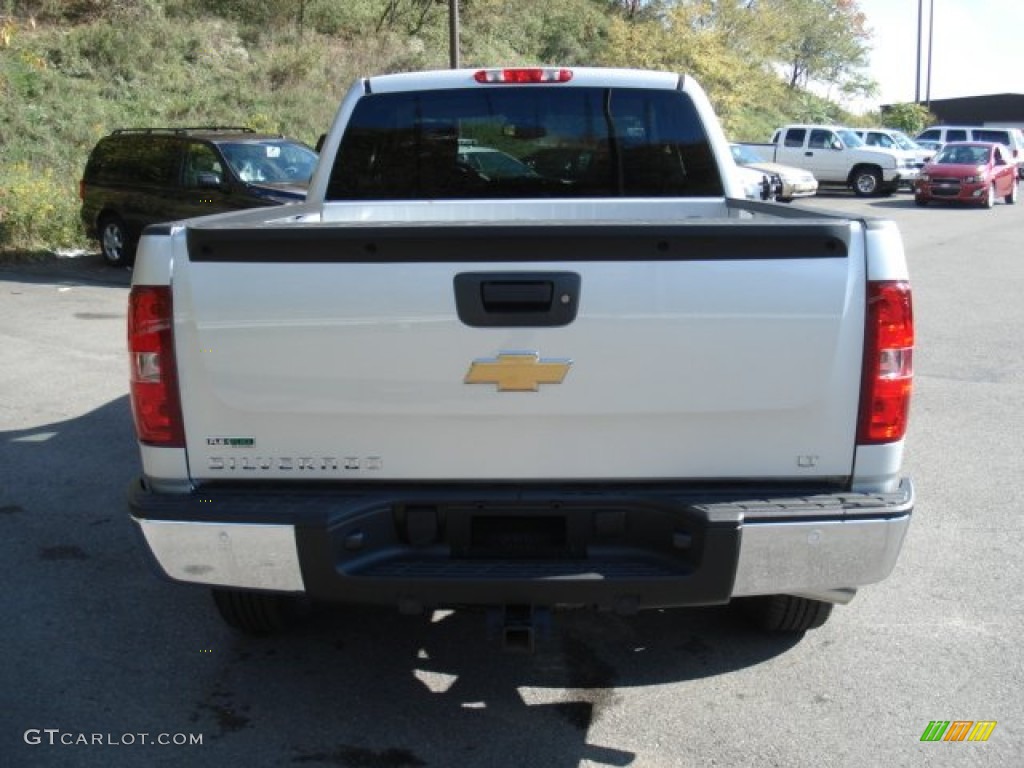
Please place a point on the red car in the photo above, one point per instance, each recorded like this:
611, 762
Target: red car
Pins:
968, 172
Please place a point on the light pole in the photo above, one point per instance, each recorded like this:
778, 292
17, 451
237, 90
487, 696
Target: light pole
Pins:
917, 79
453, 34
931, 27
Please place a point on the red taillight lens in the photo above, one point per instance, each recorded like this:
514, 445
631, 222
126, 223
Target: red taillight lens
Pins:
888, 363
524, 75
154, 380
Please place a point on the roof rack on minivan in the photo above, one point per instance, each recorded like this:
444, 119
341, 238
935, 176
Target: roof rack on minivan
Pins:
190, 129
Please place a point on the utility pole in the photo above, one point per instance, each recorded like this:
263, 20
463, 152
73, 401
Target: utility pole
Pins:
453, 34
931, 28
917, 80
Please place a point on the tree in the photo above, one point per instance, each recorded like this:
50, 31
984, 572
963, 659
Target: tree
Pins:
719, 43
823, 41
569, 32
412, 15
909, 117
635, 9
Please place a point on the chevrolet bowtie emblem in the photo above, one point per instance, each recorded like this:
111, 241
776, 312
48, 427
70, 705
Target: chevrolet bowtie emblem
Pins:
517, 371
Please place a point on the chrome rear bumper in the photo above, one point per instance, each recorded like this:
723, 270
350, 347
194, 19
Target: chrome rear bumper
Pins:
818, 558
822, 547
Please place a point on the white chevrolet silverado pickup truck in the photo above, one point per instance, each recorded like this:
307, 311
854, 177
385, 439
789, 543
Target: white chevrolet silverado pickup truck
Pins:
523, 347
838, 156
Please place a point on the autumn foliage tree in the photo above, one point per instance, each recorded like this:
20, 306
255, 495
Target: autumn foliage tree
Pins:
744, 51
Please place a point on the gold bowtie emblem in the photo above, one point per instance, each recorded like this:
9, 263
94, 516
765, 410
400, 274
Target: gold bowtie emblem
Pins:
517, 371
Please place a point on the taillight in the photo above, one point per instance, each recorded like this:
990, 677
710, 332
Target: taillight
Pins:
888, 363
154, 379
524, 75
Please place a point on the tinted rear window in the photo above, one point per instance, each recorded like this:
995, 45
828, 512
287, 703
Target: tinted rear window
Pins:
142, 159
795, 137
530, 141
996, 137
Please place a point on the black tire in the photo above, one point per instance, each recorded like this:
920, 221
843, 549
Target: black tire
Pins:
866, 182
921, 201
257, 613
785, 613
1011, 199
990, 196
117, 248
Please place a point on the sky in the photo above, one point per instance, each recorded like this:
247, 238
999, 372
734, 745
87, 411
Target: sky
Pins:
977, 48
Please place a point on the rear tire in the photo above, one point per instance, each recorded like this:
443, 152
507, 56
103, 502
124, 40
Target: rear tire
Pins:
117, 248
785, 613
867, 182
1011, 199
257, 613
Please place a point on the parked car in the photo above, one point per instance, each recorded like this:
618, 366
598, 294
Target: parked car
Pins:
1013, 138
758, 184
493, 163
968, 172
137, 177
837, 156
795, 182
890, 138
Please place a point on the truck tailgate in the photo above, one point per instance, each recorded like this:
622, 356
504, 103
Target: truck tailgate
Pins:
632, 351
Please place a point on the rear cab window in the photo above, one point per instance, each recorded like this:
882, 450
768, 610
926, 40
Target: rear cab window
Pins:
795, 137
524, 142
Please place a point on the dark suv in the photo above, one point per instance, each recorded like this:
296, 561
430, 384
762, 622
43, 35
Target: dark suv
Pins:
141, 176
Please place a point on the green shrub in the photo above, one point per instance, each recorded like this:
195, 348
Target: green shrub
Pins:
329, 17
38, 210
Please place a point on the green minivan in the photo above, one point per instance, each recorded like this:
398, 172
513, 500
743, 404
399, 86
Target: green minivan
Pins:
141, 176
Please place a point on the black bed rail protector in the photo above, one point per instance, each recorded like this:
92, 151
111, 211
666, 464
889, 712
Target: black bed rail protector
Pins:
520, 242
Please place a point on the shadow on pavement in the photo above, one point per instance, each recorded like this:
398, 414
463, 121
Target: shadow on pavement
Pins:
101, 645
89, 268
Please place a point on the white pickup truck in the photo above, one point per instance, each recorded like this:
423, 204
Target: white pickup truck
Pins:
580, 371
838, 156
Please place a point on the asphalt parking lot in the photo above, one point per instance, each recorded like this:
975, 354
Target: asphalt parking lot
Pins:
106, 665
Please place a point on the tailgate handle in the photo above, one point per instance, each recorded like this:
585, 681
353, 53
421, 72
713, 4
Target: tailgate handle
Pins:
517, 295
517, 299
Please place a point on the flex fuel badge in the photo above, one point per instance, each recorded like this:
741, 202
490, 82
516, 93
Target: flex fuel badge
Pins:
231, 442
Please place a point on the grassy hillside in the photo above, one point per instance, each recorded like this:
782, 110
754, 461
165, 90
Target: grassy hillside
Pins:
72, 71
62, 88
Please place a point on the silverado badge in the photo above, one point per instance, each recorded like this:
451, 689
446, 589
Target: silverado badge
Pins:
517, 371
